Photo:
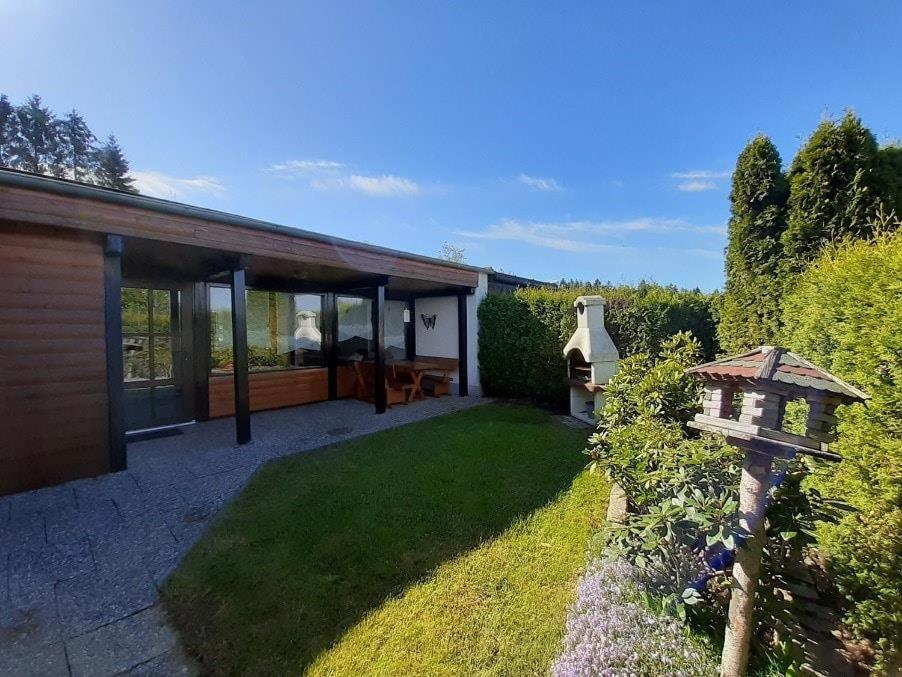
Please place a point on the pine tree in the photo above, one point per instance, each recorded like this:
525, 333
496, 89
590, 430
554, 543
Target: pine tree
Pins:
9, 131
112, 167
834, 189
749, 312
79, 145
37, 136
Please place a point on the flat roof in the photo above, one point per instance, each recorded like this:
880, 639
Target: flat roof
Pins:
19, 179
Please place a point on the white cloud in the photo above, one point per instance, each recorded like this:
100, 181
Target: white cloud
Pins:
539, 183
699, 180
157, 184
581, 236
696, 186
328, 175
295, 167
384, 186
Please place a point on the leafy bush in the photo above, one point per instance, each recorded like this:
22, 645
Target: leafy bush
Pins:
845, 314
522, 335
610, 631
685, 491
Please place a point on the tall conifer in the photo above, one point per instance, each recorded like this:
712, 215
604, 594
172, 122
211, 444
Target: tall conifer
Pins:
112, 167
834, 189
750, 305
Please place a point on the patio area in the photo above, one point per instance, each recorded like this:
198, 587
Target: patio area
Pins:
82, 562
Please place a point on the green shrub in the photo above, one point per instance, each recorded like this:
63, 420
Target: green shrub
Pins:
522, 335
845, 314
685, 491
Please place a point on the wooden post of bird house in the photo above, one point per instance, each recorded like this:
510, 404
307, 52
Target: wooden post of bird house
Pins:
763, 381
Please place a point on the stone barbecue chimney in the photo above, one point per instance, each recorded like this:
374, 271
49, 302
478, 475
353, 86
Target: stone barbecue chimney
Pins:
592, 358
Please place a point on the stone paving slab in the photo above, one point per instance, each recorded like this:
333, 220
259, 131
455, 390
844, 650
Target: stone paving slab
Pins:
81, 564
121, 645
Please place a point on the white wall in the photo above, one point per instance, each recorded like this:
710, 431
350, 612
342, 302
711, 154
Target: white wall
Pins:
442, 341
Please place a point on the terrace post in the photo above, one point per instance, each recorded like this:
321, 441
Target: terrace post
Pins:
115, 386
239, 356
330, 341
379, 396
463, 384
411, 330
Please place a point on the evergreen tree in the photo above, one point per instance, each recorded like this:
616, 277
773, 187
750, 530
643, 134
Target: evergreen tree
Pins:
112, 167
889, 162
36, 139
749, 308
79, 146
834, 189
9, 131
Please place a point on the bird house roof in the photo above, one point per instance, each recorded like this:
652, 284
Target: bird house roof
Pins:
777, 366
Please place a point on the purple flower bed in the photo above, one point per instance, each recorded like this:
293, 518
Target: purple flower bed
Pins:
611, 632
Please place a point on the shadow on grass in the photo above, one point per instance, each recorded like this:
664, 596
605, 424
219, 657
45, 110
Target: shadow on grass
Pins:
318, 540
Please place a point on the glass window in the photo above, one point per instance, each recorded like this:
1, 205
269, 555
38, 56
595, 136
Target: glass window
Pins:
147, 337
284, 331
395, 330
355, 328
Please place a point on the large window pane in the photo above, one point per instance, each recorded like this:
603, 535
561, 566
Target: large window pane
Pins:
355, 328
283, 330
220, 330
134, 310
395, 330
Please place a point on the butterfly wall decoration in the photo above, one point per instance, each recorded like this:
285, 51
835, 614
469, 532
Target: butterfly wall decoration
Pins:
428, 320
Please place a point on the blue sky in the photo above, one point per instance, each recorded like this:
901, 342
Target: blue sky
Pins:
588, 140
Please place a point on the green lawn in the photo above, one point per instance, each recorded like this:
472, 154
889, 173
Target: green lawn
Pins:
444, 547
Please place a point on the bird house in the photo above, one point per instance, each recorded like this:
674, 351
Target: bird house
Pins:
745, 399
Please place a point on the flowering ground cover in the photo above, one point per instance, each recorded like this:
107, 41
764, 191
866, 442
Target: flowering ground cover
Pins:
611, 632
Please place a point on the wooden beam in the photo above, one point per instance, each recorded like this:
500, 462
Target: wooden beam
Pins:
239, 357
135, 216
379, 395
112, 291
463, 381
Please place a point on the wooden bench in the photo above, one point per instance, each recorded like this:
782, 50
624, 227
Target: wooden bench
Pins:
396, 392
438, 384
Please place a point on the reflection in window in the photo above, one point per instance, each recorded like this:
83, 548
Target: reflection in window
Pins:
355, 328
147, 319
284, 331
395, 330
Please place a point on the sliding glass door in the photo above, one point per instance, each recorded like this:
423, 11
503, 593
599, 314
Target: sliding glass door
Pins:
156, 357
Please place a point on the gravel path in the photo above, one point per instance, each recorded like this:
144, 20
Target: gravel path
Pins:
81, 564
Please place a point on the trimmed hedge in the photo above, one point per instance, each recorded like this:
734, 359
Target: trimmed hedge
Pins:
522, 335
845, 314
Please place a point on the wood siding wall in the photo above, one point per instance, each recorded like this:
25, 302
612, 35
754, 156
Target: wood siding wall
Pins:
276, 389
53, 425
74, 212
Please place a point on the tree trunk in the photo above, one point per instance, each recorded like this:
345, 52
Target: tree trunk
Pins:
753, 490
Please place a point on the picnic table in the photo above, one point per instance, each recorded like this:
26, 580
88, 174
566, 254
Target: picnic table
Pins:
419, 367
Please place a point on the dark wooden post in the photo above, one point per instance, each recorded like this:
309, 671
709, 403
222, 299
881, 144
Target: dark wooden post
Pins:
463, 381
239, 357
115, 387
379, 396
200, 319
411, 329
330, 341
